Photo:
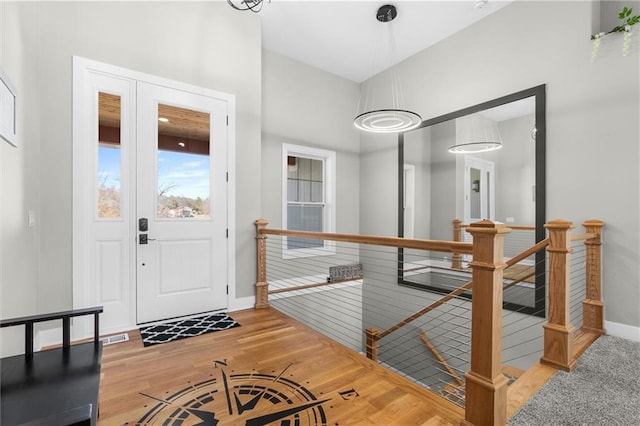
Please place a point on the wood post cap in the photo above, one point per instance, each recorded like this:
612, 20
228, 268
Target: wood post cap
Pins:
559, 224
594, 223
488, 226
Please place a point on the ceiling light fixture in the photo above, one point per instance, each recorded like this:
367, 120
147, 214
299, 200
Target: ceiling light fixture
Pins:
252, 5
163, 119
476, 133
393, 119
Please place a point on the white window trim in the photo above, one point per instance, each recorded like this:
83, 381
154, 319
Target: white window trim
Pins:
329, 219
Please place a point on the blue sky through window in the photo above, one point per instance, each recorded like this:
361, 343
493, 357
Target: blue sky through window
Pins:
186, 175
109, 166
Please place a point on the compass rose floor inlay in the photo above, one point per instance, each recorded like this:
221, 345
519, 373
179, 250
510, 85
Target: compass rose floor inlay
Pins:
271, 371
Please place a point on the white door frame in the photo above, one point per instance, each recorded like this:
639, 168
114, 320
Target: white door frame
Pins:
82, 188
487, 180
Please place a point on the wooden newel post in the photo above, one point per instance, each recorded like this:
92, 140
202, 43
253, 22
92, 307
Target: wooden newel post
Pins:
592, 306
262, 288
372, 343
456, 258
486, 386
558, 331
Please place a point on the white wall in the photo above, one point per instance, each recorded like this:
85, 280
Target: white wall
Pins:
201, 43
592, 122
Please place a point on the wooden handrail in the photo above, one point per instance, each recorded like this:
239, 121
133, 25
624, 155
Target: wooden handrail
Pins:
457, 292
412, 243
583, 237
512, 227
528, 252
314, 285
485, 383
518, 281
440, 358
441, 268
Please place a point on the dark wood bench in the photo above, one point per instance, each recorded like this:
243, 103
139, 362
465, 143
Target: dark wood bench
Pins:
54, 386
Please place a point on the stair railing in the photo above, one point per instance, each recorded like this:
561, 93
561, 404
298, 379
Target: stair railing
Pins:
486, 385
375, 335
559, 348
262, 287
521, 238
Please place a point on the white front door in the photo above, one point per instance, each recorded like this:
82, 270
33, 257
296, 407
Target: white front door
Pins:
181, 203
130, 163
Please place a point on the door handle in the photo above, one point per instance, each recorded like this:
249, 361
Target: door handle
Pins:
144, 239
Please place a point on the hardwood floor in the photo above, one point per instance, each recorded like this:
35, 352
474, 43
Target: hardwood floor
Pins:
270, 370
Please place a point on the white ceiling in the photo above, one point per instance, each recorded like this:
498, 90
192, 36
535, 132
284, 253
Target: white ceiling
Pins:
340, 36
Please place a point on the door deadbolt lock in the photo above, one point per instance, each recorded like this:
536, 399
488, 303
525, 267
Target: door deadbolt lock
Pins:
143, 224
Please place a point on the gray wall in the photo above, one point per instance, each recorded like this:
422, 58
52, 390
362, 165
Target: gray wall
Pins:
19, 184
202, 43
592, 122
378, 184
314, 109
336, 313
443, 181
417, 152
515, 172
438, 177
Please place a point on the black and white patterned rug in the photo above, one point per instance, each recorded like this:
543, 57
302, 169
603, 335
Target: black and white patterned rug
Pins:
181, 329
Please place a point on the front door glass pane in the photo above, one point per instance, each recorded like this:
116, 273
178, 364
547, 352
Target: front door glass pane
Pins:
183, 163
109, 157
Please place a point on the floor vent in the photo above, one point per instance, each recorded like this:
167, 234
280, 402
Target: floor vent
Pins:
116, 338
345, 272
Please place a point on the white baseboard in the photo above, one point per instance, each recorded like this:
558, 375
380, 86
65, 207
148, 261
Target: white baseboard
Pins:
47, 337
241, 303
622, 330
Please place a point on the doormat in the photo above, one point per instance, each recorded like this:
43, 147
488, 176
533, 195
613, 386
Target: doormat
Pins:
181, 329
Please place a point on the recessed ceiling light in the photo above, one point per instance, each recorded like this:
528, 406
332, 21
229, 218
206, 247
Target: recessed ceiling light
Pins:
163, 119
181, 144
